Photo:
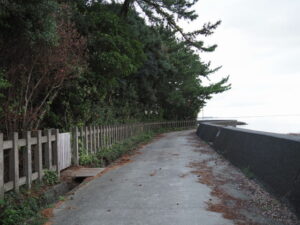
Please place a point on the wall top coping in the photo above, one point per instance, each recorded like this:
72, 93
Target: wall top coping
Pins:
244, 130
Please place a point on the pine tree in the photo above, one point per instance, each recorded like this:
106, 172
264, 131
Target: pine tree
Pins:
167, 12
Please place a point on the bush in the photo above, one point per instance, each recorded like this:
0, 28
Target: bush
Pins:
21, 209
50, 177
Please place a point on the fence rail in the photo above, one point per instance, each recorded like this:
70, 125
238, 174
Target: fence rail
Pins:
24, 157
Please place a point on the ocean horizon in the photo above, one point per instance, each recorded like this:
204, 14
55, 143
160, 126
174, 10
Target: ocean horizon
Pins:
274, 124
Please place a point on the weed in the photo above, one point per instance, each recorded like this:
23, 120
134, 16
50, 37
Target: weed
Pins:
50, 177
61, 198
248, 173
20, 209
87, 159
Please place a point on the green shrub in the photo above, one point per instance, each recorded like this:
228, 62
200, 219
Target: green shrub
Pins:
21, 209
86, 159
50, 177
248, 173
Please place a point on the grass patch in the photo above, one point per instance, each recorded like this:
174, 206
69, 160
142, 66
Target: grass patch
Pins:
24, 207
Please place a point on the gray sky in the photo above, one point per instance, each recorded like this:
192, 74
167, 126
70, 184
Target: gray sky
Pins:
259, 47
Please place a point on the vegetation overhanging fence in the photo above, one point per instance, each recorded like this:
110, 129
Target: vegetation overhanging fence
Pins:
24, 157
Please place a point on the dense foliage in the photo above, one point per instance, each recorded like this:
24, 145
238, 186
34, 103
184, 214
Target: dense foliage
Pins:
66, 63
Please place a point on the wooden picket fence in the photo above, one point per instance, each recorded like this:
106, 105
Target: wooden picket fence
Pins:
94, 138
24, 157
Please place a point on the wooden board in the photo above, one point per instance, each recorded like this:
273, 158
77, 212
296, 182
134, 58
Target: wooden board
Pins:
64, 149
86, 172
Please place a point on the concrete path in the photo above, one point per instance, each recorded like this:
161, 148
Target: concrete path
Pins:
175, 180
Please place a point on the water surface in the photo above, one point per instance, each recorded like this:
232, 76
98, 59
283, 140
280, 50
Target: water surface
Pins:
275, 124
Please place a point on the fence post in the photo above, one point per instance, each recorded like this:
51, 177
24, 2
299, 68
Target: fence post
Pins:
94, 139
48, 155
113, 129
11, 159
28, 159
38, 155
98, 138
91, 139
118, 132
81, 138
101, 136
116, 138
56, 147
113, 134
1, 168
121, 132
75, 147
126, 131
109, 135
91, 130
16, 161
86, 140
104, 136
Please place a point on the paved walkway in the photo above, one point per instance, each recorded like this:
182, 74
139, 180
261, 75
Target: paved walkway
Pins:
175, 180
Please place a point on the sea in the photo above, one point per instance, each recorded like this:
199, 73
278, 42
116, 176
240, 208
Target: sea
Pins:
274, 124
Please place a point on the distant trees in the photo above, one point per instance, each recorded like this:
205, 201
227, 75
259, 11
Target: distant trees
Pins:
65, 63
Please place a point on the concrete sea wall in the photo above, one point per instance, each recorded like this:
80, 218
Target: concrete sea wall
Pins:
273, 159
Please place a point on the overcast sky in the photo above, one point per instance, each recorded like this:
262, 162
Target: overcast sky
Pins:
259, 47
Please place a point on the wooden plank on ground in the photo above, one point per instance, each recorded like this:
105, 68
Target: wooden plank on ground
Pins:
86, 172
